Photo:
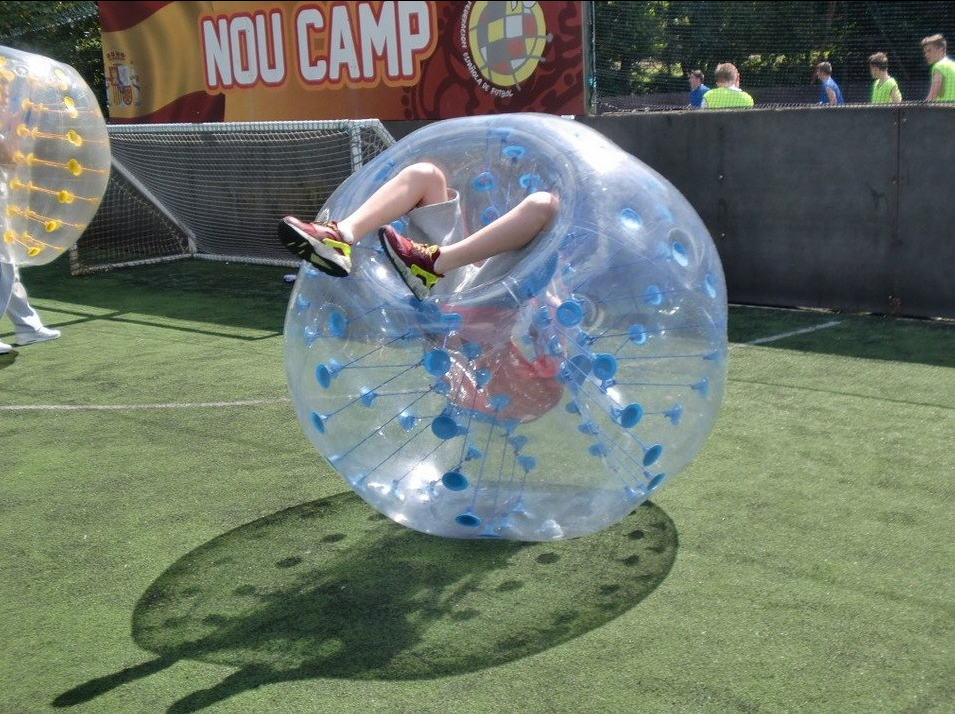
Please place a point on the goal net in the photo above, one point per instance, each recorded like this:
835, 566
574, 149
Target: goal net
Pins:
218, 190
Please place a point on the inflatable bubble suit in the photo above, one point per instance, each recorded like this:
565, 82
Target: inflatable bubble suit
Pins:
55, 157
543, 395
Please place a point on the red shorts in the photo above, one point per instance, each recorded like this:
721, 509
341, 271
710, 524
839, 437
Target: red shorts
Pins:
500, 382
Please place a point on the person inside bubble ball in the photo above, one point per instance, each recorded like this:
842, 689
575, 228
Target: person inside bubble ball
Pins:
27, 325
436, 243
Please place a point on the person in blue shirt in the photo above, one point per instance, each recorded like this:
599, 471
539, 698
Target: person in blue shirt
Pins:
829, 92
697, 89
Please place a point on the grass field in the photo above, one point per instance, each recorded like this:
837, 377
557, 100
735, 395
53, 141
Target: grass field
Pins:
172, 542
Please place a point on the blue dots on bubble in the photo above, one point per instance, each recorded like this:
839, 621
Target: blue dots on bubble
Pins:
630, 219
437, 362
513, 152
656, 481
637, 334
604, 366
629, 416
468, 520
367, 396
484, 181
652, 454
311, 334
678, 251
337, 324
569, 313
444, 427
530, 183
407, 420
653, 295
454, 481
489, 215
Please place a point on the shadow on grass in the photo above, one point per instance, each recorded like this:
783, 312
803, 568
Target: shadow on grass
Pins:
333, 589
223, 294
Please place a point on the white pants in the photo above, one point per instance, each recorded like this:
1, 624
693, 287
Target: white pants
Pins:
13, 301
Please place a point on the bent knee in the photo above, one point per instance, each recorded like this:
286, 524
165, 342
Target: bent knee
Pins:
544, 204
425, 172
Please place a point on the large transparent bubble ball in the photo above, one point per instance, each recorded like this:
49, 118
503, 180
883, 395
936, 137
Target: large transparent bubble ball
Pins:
55, 157
544, 395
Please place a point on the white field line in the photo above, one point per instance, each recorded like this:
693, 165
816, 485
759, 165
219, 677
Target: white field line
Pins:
135, 407
261, 402
784, 335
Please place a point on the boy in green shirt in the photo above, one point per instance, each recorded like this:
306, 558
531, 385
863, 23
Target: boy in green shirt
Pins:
934, 49
727, 94
885, 90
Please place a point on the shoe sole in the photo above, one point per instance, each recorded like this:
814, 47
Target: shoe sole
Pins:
323, 258
414, 284
21, 343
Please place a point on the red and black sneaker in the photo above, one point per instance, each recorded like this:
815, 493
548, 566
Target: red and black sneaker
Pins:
413, 261
319, 243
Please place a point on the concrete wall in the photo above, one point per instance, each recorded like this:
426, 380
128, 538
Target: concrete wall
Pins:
849, 209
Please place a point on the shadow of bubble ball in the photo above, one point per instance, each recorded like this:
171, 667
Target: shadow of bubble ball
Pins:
56, 157
543, 395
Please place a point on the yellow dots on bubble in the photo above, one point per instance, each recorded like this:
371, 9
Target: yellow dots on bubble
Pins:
33, 246
61, 195
74, 167
51, 225
60, 76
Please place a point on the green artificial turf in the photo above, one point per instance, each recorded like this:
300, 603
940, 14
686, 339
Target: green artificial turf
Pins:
173, 543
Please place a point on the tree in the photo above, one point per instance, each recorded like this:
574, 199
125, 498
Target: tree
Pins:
68, 32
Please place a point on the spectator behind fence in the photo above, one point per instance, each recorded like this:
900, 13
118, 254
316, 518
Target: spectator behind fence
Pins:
885, 90
697, 89
829, 92
727, 94
942, 89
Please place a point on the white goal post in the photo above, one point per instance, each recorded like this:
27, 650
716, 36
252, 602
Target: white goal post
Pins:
218, 190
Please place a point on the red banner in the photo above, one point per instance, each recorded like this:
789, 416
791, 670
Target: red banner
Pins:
279, 61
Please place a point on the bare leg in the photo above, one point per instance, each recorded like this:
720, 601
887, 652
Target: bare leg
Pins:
420, 184
513, 230
326, 246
